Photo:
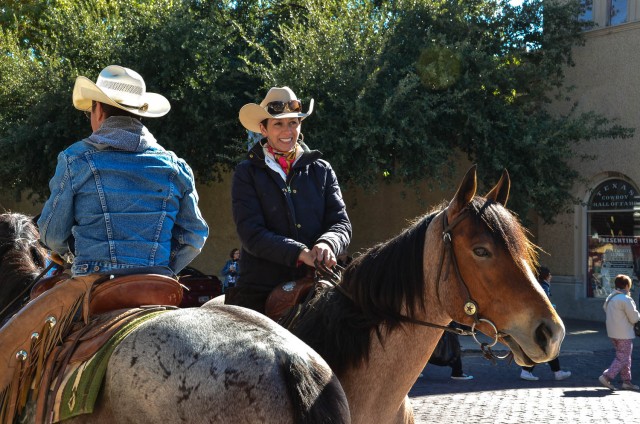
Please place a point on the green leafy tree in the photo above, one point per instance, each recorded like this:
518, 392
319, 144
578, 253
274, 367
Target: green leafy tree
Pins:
187, 50
404, 86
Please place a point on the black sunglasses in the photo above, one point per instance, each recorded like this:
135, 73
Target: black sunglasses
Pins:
87, 113
275, 108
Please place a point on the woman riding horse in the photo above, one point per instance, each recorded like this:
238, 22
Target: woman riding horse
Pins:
287, 204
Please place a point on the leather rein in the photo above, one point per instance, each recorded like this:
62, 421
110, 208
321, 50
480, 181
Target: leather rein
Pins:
470, 306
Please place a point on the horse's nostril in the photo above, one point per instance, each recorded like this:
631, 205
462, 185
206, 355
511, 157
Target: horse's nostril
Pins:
542, 336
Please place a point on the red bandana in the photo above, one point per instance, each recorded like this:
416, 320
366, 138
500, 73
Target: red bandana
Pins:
285, 159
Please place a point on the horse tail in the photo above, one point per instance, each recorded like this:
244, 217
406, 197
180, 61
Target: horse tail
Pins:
315, 392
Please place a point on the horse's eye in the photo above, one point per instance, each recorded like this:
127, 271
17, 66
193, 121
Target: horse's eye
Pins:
481, 252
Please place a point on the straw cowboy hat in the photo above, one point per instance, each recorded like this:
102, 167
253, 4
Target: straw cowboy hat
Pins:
280, 102
120, 87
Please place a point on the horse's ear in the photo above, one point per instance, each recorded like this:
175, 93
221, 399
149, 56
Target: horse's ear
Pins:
465, 193
500, 193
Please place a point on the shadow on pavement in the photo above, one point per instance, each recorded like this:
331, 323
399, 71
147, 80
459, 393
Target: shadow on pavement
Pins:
588, 393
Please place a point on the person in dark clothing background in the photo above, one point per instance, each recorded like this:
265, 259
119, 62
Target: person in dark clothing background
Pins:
448, 353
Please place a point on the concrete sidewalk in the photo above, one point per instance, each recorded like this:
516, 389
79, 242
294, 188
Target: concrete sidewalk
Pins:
581, 337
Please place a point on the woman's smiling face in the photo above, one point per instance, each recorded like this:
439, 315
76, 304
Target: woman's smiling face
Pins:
282, 134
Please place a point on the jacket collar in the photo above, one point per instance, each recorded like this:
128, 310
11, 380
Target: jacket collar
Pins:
256, 155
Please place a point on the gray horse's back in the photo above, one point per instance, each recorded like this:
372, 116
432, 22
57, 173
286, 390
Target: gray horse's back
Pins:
220, 364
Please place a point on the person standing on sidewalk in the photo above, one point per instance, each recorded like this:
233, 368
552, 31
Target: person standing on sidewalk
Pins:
622, 314
230, 270
544, 278
449, 353
456, 365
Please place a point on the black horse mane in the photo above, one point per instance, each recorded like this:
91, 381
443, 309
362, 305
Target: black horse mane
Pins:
21, 256
379, 281
387, 278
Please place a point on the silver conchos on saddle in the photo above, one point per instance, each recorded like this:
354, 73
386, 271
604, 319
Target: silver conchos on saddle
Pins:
289, 286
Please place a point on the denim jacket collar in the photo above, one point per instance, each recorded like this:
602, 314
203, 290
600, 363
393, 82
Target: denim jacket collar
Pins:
123, 133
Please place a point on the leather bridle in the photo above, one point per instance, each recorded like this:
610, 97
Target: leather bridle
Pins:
470, 306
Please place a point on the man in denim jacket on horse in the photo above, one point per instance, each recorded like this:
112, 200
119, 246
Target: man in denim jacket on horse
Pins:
131, 206
119, 202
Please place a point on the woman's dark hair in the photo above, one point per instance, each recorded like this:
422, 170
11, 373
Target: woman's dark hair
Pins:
623, 282
233, 252
266, 120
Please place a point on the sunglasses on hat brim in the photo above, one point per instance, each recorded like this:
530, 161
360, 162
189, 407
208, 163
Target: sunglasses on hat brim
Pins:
278, 107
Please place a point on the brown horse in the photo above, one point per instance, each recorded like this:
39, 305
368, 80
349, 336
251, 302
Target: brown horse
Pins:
470, 262
217, 365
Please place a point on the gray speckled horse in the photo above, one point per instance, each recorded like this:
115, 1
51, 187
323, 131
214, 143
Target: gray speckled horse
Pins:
221, 364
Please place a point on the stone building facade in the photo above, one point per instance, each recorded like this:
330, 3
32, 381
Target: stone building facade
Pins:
600, 238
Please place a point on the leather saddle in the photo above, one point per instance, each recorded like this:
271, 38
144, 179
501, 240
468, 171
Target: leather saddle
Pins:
287, 295
31, 337
288, 301
81, 345
110, 293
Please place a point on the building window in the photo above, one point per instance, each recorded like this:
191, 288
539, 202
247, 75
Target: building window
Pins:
613, 237
617, 12
586, 13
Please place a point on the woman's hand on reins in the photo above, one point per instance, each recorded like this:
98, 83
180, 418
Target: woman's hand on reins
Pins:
321, 252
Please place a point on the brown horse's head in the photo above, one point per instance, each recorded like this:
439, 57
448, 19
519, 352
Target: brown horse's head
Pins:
407, 281
495, 269
22, 257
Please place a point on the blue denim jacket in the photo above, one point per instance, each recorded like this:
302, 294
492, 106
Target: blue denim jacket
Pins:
130, 205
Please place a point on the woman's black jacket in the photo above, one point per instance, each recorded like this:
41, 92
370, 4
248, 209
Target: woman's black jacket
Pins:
275, 219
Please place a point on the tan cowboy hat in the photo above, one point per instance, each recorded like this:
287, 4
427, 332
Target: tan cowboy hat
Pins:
120, 87
252, 114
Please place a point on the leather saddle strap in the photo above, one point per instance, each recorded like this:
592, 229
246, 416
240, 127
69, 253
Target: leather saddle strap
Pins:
65, 355
53, 313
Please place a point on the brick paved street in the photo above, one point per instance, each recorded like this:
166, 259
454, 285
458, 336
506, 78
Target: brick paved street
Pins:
498, 395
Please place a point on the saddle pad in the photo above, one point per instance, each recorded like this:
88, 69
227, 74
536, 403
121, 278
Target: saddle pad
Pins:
81, 385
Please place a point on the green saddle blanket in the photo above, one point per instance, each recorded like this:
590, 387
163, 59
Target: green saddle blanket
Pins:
82, 381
